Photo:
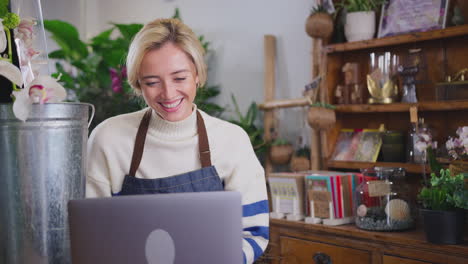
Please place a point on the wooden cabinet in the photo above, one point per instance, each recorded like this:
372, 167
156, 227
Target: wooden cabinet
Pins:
296, 251
298, 242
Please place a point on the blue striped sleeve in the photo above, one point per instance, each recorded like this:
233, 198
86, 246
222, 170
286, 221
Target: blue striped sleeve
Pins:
261, 231
256, 208
258, 251
245, 259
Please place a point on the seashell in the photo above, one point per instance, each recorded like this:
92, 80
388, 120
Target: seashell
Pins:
11, 72
361, 210
397, 209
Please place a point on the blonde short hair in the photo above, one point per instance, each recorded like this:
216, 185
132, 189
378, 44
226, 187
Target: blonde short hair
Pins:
153, 36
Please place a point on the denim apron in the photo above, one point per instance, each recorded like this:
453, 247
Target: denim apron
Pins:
202, 180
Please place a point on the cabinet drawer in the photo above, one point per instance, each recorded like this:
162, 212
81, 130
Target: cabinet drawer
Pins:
295, 251
397, 260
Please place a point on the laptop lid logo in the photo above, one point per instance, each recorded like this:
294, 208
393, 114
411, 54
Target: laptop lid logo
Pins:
160, 247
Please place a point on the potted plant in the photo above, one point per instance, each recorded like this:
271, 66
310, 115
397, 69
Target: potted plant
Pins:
444, 202
300, 160
281, 151
319, 24
360, 18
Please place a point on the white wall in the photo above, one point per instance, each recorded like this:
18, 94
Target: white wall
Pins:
235, 30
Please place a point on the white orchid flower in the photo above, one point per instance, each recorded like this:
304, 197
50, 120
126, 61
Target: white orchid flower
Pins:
420, 146
22, 105
3, 39
46, 89
11, 72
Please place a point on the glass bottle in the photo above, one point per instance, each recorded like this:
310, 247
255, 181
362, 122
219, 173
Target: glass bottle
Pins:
383, 201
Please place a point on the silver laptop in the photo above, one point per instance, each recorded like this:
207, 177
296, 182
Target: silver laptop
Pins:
175, 228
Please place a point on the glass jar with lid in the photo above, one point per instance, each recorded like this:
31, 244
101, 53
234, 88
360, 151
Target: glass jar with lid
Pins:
382, 200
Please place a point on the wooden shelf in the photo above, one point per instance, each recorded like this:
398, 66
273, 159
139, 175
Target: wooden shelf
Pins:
404, 107
409, 167
286, 103
399, 39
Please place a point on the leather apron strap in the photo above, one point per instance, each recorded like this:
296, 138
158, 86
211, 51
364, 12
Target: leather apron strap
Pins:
203, 145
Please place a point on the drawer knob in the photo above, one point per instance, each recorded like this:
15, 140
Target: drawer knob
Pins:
322, 258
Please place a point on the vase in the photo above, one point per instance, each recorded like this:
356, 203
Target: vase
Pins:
360, 26
43, 163
443, 227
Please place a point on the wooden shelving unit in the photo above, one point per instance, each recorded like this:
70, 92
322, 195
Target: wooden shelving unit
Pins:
446, 53
398, 40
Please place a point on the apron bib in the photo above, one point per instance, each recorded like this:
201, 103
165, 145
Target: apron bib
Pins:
203, 180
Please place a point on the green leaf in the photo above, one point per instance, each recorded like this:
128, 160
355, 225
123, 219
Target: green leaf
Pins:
67, 37
57, 54
128, 31
102, 38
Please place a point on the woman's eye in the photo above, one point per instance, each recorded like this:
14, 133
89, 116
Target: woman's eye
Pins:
151, 83
180, 79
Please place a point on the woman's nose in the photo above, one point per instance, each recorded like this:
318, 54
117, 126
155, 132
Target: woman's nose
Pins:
167, 90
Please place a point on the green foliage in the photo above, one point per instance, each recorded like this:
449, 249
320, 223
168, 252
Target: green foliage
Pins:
445, 192
279, 142
361, 5
303, 152
85, 67
247, 122
318, 9
4, 7
11, 20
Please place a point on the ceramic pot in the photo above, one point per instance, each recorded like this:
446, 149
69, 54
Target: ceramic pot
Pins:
319, 25
360, 26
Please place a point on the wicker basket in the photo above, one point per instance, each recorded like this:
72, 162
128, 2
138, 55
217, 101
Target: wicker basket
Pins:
299, 163
319, 25
321, 117
281, 154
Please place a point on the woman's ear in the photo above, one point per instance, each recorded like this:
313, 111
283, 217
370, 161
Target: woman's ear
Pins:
197, 82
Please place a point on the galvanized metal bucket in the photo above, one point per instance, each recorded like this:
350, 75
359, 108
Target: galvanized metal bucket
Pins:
42, 167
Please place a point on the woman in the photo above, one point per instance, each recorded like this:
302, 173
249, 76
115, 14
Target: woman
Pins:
140, 152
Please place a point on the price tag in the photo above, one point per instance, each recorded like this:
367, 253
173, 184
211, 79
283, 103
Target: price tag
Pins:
378, 188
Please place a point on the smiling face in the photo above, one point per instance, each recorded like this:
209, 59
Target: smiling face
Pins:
168, 81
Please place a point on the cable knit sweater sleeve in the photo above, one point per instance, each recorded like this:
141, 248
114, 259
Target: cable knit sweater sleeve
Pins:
248, 178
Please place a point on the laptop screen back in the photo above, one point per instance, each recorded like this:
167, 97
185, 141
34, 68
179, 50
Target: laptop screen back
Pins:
163, 228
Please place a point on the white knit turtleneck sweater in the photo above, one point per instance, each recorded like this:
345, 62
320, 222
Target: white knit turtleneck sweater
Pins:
171, 148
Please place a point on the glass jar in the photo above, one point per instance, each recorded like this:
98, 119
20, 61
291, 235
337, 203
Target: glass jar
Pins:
382, 201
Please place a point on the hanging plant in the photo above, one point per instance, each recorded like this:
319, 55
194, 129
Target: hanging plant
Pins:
319, 24
281, 151
321, 116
